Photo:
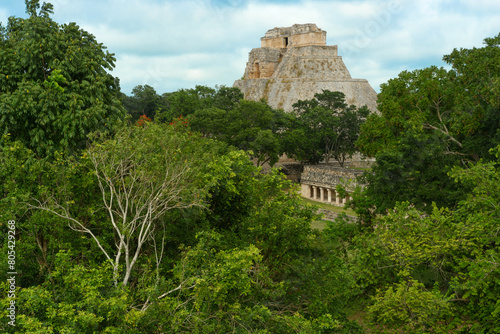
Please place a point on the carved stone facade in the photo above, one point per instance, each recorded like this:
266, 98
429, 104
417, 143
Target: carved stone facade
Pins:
294, 63
319, 182
296, 35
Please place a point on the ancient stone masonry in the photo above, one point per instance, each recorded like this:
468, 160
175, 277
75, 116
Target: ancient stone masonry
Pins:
319, 182
294, 63
298, 34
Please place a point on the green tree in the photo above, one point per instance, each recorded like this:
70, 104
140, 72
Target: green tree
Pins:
421, 101
414, 144
55, 88
460, 105
298, 143
210, 122
185, 102
330, 125
142, 173
144, 101
252, 126
431, 120
477, 99
77, 299
449, 257
221, 113
216, 289
43, 235
412, 308
417, 172
249, 125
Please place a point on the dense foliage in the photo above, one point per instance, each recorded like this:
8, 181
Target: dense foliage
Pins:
430, 121
323, 128
166, 225
219, 113
143, 102
54, 84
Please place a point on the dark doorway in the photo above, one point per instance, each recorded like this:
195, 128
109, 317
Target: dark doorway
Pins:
256, 71
286, 42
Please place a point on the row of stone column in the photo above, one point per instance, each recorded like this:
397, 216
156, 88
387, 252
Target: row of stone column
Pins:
327, 195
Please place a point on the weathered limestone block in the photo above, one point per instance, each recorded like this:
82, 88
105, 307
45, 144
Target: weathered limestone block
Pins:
305, 190
296, 35
262, 63
327, 176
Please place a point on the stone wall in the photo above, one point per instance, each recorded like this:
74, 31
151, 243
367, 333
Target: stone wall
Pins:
262, 63
319, 183
310, 38
296, 35
328, 176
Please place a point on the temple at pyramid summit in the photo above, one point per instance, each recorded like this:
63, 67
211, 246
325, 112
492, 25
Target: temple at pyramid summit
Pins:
294, 63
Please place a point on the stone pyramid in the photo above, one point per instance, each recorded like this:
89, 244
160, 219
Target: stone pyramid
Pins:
294, 63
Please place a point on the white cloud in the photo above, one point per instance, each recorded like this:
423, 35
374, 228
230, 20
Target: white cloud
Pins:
178, 44
4, 17
169, 73
417, 36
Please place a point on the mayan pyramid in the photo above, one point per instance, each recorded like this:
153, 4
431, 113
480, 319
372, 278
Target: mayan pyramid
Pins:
294, 63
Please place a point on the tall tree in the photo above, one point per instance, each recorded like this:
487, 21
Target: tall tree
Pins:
477, 98
460, 105
185, 102
144, 101
221, 113
431, 120
447, 261
142, 173
249, 125
420, 100
54, 83
329, 128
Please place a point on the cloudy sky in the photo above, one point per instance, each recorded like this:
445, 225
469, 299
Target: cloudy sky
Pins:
178, 44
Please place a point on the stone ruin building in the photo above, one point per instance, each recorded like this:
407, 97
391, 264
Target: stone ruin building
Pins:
319, 183
294, 63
